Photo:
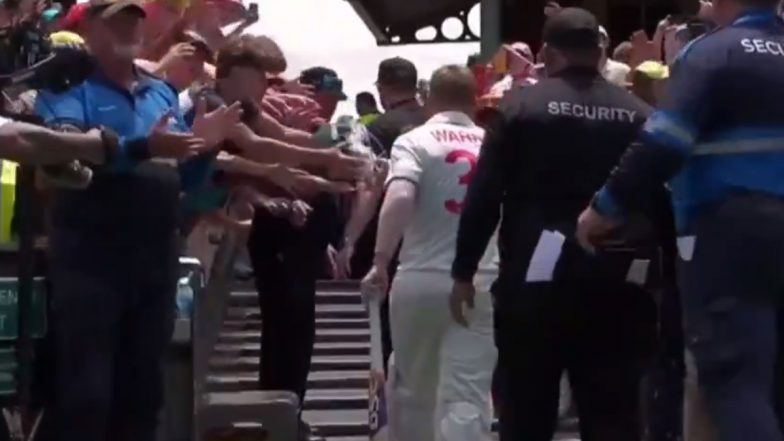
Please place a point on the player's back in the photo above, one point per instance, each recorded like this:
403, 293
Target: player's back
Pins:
440, 157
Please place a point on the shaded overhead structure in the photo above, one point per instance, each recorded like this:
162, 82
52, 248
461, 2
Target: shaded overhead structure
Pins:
396, 22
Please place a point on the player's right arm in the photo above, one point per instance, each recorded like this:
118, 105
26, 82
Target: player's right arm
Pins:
397, 209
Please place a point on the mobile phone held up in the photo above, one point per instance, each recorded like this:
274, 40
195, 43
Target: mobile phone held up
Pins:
252, 14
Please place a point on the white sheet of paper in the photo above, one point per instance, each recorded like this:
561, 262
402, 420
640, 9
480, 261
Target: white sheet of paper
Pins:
686, 247
638, 271
545, 257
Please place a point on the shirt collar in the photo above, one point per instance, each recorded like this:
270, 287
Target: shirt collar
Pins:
452, 117
755, 16
402, 103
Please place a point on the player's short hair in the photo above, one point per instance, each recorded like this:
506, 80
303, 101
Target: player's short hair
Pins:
453, 85
257, 52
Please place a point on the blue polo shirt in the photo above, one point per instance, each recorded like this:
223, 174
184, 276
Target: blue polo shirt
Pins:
720, 129
140, 199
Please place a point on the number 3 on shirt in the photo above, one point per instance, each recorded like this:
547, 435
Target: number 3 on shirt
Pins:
452, 205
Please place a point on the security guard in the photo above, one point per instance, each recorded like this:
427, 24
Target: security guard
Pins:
719, 138
557, 308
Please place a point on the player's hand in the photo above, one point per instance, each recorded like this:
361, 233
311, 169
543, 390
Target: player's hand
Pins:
215, 126
462, 297
592, 227
170, 145
300, 211
343, 167
375, 284
343, 261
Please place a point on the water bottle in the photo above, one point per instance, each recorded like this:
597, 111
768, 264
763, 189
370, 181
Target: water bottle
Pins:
184, 298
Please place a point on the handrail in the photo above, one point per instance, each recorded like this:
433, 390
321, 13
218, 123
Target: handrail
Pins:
209, 307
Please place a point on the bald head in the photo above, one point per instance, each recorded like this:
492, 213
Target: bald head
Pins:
452, 87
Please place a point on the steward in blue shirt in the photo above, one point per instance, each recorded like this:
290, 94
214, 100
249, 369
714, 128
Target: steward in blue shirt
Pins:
718, 140
114, 246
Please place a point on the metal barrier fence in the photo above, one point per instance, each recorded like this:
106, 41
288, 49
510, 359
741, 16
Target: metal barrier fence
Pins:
277, 411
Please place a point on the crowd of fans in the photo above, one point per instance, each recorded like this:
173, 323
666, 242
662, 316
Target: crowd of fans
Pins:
214, 135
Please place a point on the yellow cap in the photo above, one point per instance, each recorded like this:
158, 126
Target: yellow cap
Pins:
65, 37
654, 70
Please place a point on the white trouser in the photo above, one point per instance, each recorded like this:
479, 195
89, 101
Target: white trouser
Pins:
442, 371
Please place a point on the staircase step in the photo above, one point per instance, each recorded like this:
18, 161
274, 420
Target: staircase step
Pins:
336, 399
321, 285
330, 423
327, 348
322, 335
338, 379
251, 298
321, 323
322, 311
249, 380
318, 363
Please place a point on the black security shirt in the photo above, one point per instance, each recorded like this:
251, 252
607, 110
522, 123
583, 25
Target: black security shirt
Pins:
553, 147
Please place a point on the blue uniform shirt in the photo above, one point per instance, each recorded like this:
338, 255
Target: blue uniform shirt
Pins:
719, 127
143, 195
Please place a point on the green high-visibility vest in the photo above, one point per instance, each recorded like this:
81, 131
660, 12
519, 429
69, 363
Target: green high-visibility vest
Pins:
7, 197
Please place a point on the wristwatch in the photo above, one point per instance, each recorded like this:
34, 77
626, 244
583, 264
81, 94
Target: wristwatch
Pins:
111, 144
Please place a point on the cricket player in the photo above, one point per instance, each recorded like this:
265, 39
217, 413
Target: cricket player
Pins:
442, 369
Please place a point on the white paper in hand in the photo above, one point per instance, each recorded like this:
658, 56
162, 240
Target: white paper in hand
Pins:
545, 257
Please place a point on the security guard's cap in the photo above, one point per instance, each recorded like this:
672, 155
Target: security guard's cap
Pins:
572, 28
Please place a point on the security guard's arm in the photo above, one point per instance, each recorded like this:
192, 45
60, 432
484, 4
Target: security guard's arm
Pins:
482, 209
65, 112
667, 139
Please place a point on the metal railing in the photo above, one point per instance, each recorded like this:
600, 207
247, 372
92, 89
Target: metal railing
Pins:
277, 411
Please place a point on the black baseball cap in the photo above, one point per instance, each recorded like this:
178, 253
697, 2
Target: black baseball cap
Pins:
323, 79
572, 28
397, 72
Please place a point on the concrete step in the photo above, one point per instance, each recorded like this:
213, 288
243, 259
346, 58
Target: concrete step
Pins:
318, 363
330, 423
322, 335
249, 380
336, 399
326, 348
251, 298
321, 285
248, 324
322, 311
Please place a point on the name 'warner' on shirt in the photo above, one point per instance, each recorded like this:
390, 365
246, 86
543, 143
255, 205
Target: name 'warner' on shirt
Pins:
598, 113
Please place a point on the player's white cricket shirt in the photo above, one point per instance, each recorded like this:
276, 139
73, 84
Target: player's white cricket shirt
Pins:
440, 158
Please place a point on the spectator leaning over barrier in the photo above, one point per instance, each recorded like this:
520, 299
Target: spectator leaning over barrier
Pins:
289, 236
114, 246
